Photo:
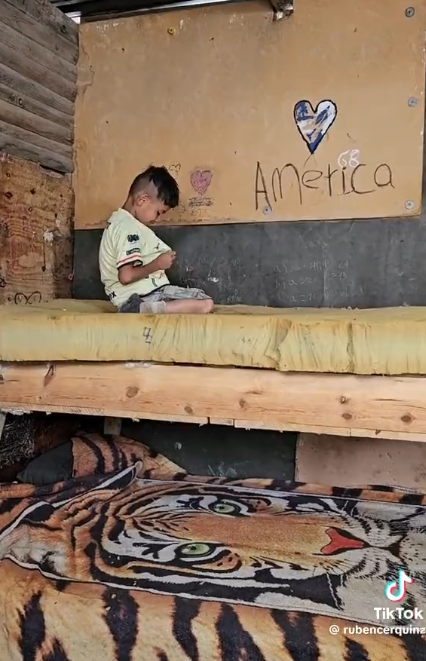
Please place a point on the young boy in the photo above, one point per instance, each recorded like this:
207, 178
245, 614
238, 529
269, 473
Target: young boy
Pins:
133, 260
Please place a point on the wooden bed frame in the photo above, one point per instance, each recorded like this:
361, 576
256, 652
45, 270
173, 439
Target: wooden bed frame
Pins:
346, 405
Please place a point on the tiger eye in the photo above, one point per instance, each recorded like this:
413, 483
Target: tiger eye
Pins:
194, 549
224, 508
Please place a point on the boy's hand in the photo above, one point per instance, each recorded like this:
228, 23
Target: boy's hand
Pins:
131, 273
165, 260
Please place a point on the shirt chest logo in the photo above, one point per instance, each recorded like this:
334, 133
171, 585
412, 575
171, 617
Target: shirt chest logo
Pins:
132, 238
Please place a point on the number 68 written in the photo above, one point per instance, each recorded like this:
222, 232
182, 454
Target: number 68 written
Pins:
349, 158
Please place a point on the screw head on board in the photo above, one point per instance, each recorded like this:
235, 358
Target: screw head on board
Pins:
412, 101
409, 12
409, 205
266, 210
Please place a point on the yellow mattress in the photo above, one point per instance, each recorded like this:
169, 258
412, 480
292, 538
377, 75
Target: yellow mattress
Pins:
384, 341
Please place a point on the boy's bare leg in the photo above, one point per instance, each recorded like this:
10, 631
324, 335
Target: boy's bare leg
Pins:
190, 306
182, 306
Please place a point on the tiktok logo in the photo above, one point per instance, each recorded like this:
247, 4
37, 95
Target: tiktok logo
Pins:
396, 590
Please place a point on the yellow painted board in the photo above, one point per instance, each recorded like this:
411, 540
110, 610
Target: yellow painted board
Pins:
318, 116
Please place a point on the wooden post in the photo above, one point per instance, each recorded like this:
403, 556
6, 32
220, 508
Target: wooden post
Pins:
2, 422
112, 426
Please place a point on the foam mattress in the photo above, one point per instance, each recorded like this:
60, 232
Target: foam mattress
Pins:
388, 341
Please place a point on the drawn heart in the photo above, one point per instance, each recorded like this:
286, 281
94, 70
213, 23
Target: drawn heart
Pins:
174, 169
313, 124
201, 180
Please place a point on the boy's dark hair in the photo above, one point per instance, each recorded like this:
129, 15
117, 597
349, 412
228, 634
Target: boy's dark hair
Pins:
166, 186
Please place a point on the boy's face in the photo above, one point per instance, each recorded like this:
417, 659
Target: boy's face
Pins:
148, 209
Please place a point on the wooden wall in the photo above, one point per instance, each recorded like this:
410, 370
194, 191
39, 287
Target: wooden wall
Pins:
36, 209
316, 117
38, 56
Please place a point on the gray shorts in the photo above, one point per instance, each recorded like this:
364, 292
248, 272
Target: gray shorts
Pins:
162, 295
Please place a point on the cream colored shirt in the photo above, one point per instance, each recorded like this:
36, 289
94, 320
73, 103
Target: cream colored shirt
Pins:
126, 241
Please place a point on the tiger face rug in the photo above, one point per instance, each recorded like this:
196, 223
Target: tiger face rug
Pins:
120, 564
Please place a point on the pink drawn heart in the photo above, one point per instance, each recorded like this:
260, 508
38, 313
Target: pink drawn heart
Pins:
200, 180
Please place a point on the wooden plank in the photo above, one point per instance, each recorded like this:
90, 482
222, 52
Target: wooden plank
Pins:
224, 422
27, 88
16, 116
44, 12
39, 55
36, 210
342, 404
25, 144
17, 409
39, 32
23, 65
259, 169
22, 149
9, 96
318, 430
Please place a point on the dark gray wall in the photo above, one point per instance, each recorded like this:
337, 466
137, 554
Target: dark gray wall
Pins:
375, 263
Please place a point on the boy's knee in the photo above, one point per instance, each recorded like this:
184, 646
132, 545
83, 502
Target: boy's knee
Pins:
208, 305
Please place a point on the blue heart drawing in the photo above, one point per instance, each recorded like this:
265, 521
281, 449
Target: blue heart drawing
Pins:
312, 124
